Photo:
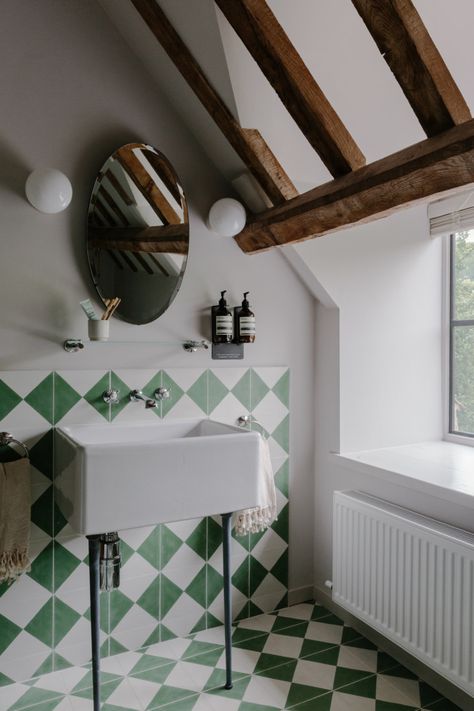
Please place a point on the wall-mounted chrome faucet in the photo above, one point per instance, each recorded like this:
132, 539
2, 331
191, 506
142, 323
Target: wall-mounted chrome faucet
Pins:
137, 395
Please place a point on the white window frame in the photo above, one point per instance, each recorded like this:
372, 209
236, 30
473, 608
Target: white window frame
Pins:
449, 436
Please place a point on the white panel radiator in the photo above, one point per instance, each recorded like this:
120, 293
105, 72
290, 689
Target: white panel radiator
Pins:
409, 577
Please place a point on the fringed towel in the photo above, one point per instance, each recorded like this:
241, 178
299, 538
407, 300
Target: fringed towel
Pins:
15, 504
262, 516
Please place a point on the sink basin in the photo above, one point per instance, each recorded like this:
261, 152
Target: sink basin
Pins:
112, 477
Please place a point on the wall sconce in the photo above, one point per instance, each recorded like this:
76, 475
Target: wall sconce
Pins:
48, 190
227, 217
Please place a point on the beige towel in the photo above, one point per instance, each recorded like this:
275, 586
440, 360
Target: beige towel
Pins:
260, 517
15, 504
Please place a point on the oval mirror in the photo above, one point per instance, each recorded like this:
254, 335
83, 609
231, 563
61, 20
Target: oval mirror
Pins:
138, 232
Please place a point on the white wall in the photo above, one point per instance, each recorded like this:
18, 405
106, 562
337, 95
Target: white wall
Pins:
72, 92
377, 361
385, 278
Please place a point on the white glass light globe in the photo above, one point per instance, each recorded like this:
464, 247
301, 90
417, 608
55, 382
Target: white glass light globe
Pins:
227, 217
48, 190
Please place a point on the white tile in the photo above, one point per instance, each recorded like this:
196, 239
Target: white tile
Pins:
134, 587
183, 616
397, 690
212, 702
76, 598
272, 692
303, 611
183, 566
324, 633
187, 675
79, 704
185, 409
23, 381
358, 658
215, 635
11, 693
270, 412
24, 416
124, 697
314, 674
23, 657
283, 645
82, 413
260, 623
22, 600
229, 376
61, 681
243, 660
271, 374
137, 620
228, 410
171, 649
270, 586
144, 690
350, 702
134, 537
185, 377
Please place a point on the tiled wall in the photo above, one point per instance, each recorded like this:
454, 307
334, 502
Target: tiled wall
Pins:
172, 574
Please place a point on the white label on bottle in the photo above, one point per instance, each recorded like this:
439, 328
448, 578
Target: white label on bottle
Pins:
224, 325
247, 325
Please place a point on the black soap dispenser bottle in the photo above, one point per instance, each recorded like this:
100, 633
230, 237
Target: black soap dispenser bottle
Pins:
222, 322
245, 323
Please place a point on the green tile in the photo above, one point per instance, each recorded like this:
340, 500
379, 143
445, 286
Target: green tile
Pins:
9, 399
282, 434
301, 693
240, 578
176, 393
64, 619
257, 573
255, 644
208, 659
120, 604
169, 594
41, 625
428, 695
318, 612
198, 539
168, 694
10, 631
312, 646
282, 388
281, 525
5, 680
214, 536
216, 391
275, 666
94, 396
242, 391
150, 599
444, 705
385, 662
59, 521
157, 675
326, 656
246, 706
149, 390
197, 648
149, 661
45, 667
65, 397
353, 638
282, 478
355, 682
319, 703
41, 454
150, 548
215, 583
198, 392
200, 625
117, 383
154, 637
212, 621
170, 544
197, 587
65, 563
280, 569
42, 568
34, 696
289, 627
400, 671
42, 511
41, 398
258, 389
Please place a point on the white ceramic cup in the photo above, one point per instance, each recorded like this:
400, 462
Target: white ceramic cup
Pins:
98, 330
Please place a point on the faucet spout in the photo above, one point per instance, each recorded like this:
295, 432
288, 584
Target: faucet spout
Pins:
137, 395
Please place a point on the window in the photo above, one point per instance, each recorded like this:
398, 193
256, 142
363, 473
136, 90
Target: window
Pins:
461, 334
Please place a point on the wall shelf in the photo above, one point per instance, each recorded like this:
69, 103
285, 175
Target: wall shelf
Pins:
74, 345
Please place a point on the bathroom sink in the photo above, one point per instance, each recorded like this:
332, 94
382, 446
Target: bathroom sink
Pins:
112, 477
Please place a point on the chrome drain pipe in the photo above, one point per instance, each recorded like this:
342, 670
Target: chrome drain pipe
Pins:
109, 561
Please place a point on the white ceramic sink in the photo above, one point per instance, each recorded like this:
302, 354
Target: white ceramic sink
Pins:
111, 477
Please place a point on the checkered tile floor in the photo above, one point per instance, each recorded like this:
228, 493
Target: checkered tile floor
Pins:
301, 658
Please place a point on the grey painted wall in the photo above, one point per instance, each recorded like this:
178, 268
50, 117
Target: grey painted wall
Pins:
72, 92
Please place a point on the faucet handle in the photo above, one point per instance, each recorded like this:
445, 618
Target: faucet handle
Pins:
111, 396
162, 394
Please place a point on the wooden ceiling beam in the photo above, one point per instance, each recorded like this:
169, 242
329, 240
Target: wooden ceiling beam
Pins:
269, 173
270, 47
428, 168
169, 238
414, 59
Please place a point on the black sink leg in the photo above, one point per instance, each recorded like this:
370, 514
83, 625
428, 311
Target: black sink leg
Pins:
94, 552
226, 538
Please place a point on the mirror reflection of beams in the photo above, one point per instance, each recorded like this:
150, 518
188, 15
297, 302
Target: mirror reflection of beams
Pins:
138, 232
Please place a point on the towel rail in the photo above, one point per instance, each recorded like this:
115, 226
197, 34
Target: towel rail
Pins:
6, 439
247, 421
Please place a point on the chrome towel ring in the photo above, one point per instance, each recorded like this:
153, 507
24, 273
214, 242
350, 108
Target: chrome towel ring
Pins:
6, 439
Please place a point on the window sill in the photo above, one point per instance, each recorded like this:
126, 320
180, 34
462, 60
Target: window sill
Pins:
441, 469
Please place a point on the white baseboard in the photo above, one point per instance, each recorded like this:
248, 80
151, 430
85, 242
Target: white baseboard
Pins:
302, 594
450, 691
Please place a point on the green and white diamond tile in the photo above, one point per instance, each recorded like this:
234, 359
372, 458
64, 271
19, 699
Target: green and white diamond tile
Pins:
84, 388
281, 661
